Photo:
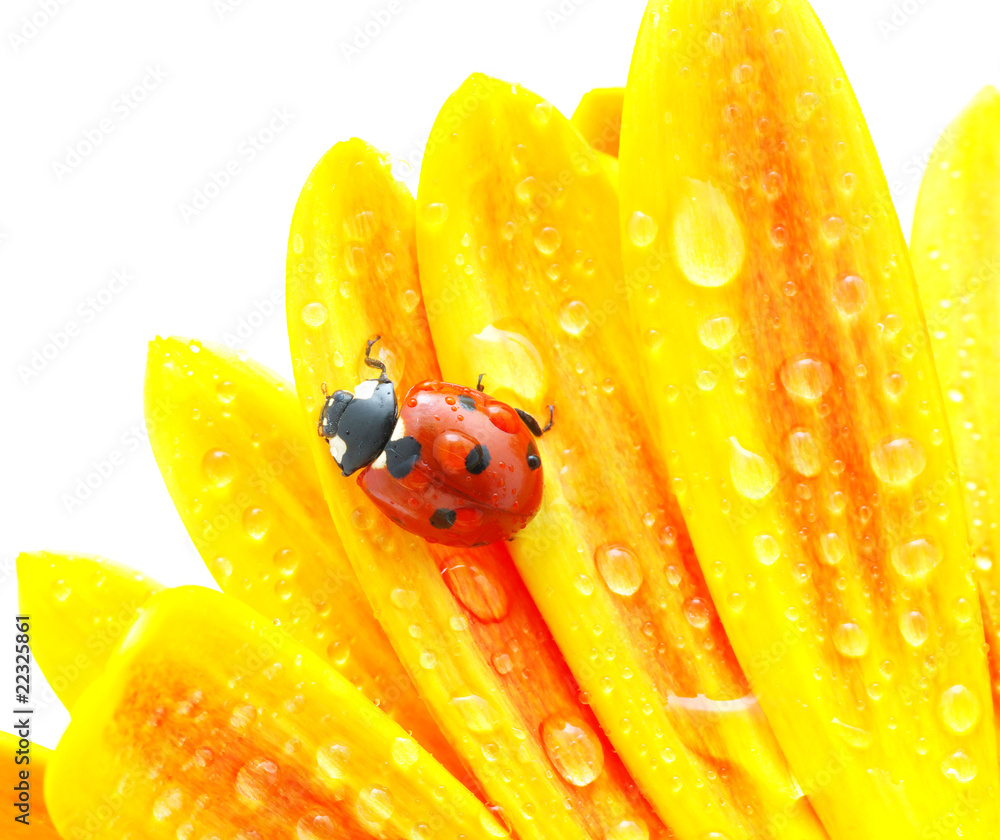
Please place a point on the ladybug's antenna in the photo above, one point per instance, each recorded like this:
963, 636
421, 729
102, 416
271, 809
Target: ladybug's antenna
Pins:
375, 363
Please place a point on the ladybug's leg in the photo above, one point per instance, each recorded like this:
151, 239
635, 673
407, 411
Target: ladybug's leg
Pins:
374, 363
479, 382
532, 423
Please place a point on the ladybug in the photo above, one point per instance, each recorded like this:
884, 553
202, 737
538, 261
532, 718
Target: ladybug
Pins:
453, 465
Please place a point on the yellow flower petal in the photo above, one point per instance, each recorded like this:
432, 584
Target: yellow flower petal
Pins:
819, 484
608, 559
15, 761
235, 455
598, 118
956, 256
461, 621
81, 607
210, 722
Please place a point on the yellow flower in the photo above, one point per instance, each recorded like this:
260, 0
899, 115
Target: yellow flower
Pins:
746, 608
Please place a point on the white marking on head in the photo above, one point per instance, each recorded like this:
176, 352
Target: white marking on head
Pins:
365, 389
379, 463
399, 431
337, 449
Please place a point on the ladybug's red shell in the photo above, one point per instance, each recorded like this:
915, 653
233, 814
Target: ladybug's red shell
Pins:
461, 468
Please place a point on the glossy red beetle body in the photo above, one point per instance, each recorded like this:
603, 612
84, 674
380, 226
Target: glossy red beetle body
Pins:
453, 465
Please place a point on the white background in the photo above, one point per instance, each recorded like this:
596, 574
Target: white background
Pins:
227, 65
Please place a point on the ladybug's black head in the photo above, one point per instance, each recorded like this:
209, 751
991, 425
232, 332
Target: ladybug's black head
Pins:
359, 425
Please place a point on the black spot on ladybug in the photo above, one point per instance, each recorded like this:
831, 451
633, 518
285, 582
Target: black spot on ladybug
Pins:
443, 518
401, 455
467, 402
534, 462
478, 459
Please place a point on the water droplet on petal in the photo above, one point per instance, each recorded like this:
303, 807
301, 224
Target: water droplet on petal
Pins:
476, 712
480, 590
914, 627
641, 229
849, 295
374, 806
314, 314
333, 760
547, 240
833, 548
806, 377
753, 476
898, 460
716, 333
217, 467
959, 766
853, 735
959, 709
697, 612
850, 640
915, 558
709, 243
573, 748
574, 317
434, 214
619, 569
255, 780
256, 523
405, 752
766, 548
804, 452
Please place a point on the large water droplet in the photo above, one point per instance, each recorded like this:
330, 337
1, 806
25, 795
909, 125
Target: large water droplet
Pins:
766, 548
314, 314
833, 548
333, 760
476, 712
806, 377
716, 333
709, 244
633, 829
374, 806
849, 294
850, 640
915, 558
434, 213
804, 452
514, 364
914, 627
313, 826
168, 803
478, 587
547, 240
898, 460
959, 766
255, 780
697, 612
574, 317
256, 523
217, 467
405, 752
619, 569
959, 709
573, 748
753, 476
641, 229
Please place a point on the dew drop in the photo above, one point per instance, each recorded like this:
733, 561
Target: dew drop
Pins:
547, 240
255, 780
898, 460
313, 826
374, 806
849, 295
218, 467
833, 548
574, 317
314, 314
573, 748
716, 333
709, 243
476, 712
916, 558
256, 523
914, 627
168, 803
959, 709
619, 569
806, 377
853, 735
641, 229
697, 612
405, 752
479, 589
634, 829
766, 548
804, 452
834, 228
753, 476
959, 766
850, 640
333, 760
61, 590
434, 213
